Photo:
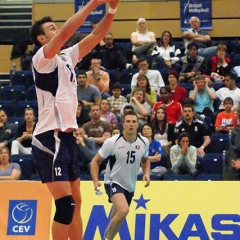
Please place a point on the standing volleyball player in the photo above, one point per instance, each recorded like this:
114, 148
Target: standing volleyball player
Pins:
126, 152
53, 144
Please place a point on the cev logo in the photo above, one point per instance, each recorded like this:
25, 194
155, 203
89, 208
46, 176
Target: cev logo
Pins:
22, 213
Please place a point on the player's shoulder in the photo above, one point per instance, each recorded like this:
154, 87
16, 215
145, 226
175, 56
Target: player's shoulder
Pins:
142, 139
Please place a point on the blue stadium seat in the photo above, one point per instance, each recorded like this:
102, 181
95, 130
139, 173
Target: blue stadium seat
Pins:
31, 93
23, 78
113, 75
26, 163
22, 105
16, 120
187, 86
164, 73
212, 163
13, 92
236, 60
125, 45
8, 107
126, 75
126, 89
209, 177
219, 143
178, 177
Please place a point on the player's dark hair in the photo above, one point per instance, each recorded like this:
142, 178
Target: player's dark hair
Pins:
131, 113
37, 30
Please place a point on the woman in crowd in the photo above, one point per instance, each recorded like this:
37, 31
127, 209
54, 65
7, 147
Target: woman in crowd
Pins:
164, 131
143, 41
106, 114
140, 106
178, 93
183, 156
220, 64
23, 142
166, 54
154, 152
8, 170
150, 94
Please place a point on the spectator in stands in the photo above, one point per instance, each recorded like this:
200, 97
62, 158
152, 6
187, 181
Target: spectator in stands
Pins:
154, 76
220, 64
116, 100
166, 55
96, 129
163, 131
23, 142
87, 93
196, 129
112, 56
183, 156
8, 170
178, 93
86, 150
202, 38
150, 94
154, 153
7, 130
115, 131
191, 65
203, 96
82, 115
142, 40
98, 78
226, 119
140, 106
230, 90
173, 109
106, 114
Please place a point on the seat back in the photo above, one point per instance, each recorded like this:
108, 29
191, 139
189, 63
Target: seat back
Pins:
212, 163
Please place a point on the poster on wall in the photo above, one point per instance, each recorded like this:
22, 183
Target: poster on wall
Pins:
199, 8
95, 15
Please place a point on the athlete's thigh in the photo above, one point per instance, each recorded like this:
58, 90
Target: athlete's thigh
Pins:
75, 188
59, 189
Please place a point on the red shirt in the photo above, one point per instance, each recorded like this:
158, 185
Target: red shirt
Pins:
173, 110
179, 94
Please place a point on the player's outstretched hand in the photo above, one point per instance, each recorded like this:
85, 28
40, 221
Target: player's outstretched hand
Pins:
146, 178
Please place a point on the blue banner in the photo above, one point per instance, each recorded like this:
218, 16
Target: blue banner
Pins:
95, 15
199, 8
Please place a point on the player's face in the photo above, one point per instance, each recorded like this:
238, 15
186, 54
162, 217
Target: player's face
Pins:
188, 113
130, 124
147, 131
3, 117
29, 116
50, 30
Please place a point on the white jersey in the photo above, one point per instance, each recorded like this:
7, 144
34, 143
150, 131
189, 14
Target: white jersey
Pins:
56, 89
124, 160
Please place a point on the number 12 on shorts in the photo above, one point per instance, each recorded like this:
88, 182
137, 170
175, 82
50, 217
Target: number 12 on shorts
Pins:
58, 171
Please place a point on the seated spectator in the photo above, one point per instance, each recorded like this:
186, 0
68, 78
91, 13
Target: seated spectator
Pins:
154, 153
140, 106
106, 114
225, 120
150, 94
7, 130
8, 170
178, 93
230, 90
112, 56
116, 100
183, 156
154, 76
190, 65
166, 55
203, 96
115, 131
220, 64
86, 150
173, 109
196, 129
23, 142
87, 93
202, 38
98, 78
82, 115
96, 129
163, 131
142, 40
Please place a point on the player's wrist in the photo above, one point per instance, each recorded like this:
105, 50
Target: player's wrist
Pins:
112, 10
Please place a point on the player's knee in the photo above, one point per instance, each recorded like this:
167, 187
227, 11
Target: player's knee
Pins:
64, 210
122, 213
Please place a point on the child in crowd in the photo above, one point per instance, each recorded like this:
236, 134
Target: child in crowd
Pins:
225, 119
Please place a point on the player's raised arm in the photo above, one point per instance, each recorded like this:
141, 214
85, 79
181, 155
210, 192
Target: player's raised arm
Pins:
69, 27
